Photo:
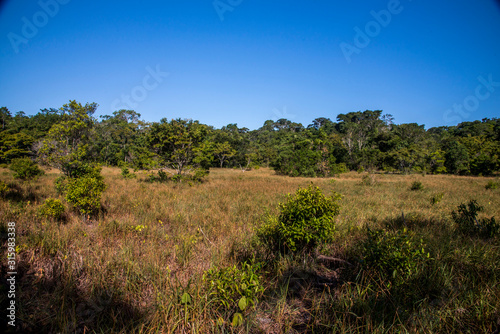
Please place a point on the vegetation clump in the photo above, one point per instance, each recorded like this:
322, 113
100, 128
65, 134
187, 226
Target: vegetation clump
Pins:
467, 222
85, 192
437, 198
416, 185
25, 169
305, 219
491, 185
126, 173
234, 290
52, 208
395, 255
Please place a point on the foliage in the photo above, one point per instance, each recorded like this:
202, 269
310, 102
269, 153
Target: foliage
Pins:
416, 185
52, 208
467, 221
126, 173
4, 188
437, 198
234, 289
25, 169
305, 219
395, 255
492, 185
66, 145
85, 192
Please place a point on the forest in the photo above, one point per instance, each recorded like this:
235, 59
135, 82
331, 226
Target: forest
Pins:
369, 140
358, 225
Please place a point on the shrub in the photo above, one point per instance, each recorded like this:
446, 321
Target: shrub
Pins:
60, 184
468, 223
395, 255
339, 169
416, 185
491, 185
52, 208
233, 289
126, 173
4, 188
84, 193
25, 169
437, 198
305, 219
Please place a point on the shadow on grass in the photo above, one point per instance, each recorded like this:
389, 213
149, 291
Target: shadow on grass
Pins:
48, 301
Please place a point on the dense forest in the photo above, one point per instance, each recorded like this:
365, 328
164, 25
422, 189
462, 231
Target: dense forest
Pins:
68, 137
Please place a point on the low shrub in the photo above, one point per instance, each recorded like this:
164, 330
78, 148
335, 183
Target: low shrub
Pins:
25, 169
305, 219
491, 185
437, 198
52, 208
84, 193
395, 255
467, 222
126, 173
234, 289
4, 188
416, 185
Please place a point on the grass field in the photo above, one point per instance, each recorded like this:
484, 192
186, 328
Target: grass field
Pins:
139, 266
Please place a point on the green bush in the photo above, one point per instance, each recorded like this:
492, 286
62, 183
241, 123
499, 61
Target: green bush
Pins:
416, 185
491, 185
25, 169
84, 193
467, 222
52, 208
233, 289
395, 255
437, 198
305, 219
339, 169
4, 188
126, 173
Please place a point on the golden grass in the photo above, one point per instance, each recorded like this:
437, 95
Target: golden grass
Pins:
154, 239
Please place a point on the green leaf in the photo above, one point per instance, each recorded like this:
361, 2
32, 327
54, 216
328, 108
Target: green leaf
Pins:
186, 298
243, 303
237, 320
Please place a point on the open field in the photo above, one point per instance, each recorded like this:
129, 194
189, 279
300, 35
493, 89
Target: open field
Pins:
127, 271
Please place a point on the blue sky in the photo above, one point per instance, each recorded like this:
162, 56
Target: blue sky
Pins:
242, 61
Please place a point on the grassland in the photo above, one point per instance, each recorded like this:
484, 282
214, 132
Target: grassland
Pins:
127, 270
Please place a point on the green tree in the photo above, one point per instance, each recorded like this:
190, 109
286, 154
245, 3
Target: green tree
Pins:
180, 143
66, 145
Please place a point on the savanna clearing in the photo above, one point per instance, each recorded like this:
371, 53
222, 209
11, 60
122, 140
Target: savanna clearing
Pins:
187, 257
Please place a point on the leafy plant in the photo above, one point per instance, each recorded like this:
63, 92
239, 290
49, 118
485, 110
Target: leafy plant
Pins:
416, 185
85, 193
395, 255
468, 223
305, 219
234, 289
52, 208
491, 185
25, 169
437, 198
126, 173
4, 188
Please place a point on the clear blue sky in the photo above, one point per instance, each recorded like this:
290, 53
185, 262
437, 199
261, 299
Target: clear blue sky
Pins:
264, 60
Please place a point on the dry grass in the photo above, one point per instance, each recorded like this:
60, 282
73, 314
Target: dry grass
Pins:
123, 271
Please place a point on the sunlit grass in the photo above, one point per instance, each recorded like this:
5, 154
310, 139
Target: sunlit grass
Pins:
125, 270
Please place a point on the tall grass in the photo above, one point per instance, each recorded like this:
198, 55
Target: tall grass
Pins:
127, 270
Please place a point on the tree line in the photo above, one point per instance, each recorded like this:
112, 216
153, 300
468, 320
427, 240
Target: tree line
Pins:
70, 138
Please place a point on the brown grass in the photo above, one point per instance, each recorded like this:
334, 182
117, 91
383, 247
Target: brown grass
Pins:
155, 240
